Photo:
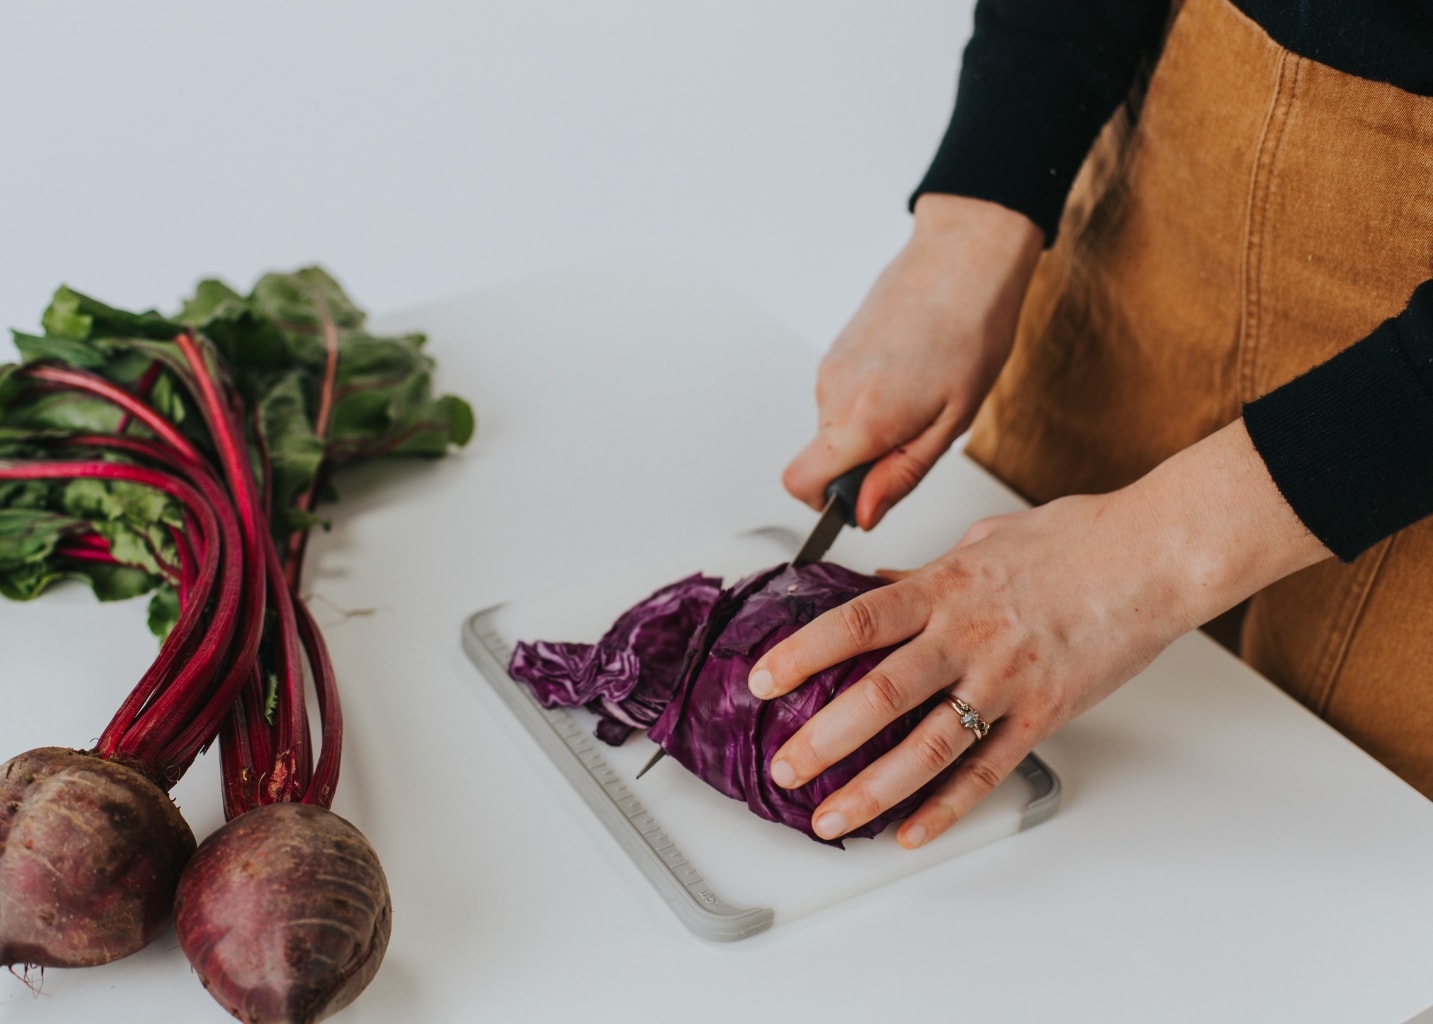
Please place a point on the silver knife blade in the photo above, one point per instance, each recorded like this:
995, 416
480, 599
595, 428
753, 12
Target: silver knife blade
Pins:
840, 511
824, 533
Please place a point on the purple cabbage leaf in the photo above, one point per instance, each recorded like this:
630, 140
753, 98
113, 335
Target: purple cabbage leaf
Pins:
627, 677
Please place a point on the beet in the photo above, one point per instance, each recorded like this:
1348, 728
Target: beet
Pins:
140, 454
284, 913
91, 852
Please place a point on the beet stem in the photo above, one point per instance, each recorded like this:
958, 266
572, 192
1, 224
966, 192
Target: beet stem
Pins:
84, 380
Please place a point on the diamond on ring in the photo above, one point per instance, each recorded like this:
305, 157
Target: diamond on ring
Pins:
969, 717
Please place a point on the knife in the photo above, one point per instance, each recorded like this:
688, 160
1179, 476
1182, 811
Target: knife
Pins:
839, 511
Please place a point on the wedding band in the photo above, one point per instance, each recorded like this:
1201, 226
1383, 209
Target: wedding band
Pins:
969, 717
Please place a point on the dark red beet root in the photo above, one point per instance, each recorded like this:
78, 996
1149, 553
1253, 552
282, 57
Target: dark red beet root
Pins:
285, 914
90, 855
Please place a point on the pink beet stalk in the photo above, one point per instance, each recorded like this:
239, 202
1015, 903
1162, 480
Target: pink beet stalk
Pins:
317, 879
111, 890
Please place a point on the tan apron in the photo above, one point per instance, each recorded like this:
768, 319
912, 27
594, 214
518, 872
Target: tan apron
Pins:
1250, 215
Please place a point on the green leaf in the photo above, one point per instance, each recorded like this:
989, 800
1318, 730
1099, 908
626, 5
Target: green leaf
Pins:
271, 697
137, 547
308, 297
28, 535
252, 345
457, 417
64, 316
295, 453
362, 415
74, 315
124, 361
121, 501
116, 582
170, 399
211, 297
27, 582
87, 355
63, 411
372, 362
24, 495
291, 520
163, 611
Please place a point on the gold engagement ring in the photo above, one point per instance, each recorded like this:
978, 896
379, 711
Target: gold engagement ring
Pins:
969, 717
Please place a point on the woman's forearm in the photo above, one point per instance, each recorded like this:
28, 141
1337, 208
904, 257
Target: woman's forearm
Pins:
1224, 529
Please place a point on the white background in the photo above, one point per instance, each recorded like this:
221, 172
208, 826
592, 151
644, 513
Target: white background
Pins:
423, 149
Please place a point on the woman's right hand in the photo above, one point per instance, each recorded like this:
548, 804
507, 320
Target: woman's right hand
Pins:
905, 377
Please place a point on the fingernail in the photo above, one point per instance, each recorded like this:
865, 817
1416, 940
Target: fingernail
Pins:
831, 825
913, 837
783, 774
760, 683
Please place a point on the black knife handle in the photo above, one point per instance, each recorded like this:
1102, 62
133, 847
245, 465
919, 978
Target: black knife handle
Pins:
846, 487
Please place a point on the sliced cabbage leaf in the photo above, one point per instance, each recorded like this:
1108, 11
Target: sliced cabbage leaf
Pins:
627, 678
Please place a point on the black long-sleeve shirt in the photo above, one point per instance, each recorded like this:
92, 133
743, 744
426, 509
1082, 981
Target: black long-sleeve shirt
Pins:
1350, 444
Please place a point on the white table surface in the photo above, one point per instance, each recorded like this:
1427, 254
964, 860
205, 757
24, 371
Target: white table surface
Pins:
1220, 854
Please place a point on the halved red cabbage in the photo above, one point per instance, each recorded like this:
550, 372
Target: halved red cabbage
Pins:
706, 717
628, 676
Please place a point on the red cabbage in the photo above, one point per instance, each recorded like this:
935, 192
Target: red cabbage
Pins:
687, 650
726, 737
628, 676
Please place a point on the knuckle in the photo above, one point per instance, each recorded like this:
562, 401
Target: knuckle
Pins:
984, 631
983, 775
948, 576
861, 805
934, 752
858, 618
910, 469
870, 408
883, 695
1049, 705
980, 529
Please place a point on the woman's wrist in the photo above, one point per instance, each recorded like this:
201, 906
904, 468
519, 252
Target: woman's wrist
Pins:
1002, 233
972, 259
1219, 527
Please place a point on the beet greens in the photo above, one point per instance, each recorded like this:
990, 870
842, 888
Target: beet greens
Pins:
184, 457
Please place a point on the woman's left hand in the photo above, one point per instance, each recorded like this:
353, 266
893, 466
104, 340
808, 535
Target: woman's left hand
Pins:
1031, 619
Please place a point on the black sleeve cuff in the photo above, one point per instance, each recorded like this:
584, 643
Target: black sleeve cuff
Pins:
1350, 443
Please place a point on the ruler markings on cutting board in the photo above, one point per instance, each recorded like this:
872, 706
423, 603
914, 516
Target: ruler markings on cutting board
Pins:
574, 752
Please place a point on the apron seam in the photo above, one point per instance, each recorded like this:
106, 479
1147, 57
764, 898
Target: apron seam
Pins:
1261, 178
1345, 624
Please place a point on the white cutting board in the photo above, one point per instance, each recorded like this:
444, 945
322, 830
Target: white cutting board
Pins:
724, 871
